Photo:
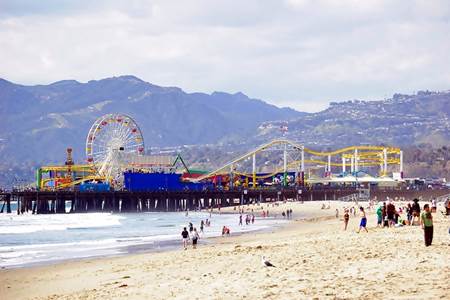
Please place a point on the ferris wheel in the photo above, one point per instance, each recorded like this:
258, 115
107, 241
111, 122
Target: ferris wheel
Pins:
111, 141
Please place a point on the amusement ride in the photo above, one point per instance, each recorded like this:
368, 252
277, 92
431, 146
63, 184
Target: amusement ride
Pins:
115, 146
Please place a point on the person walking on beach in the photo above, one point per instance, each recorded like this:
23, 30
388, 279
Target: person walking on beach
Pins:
363, 222
415, 211
337, 213
380, 216
426, 220
253, 218
390, 210
433, 205
409, 213
195, 238
346, 218
191, 227
240, 220
384, 214
185, 236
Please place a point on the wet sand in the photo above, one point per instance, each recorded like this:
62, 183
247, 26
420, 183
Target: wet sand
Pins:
313, 258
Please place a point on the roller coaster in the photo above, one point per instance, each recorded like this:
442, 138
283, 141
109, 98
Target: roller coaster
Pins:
296, 157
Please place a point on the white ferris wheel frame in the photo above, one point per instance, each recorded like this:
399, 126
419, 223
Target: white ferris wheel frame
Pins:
125, 130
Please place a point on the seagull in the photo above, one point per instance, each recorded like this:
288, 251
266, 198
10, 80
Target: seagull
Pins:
266, 263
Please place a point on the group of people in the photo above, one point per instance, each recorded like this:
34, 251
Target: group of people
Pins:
206, 223
287, 214
390, 216
248, 219
192, 234
363, 221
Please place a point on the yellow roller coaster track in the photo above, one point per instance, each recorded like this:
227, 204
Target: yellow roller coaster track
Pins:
65, 168
369, 155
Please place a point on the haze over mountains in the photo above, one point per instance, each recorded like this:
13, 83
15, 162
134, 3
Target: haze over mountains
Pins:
39, 122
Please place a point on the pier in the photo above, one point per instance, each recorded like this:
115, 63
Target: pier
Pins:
49, 202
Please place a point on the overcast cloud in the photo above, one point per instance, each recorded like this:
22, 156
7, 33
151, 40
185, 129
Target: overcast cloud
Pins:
296, 53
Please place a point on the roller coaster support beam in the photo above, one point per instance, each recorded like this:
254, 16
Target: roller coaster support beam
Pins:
384, 161
343, 164
329, 166
231, 177
401, 164
254, 170
302, 167
356, 161
285, 165
352, 165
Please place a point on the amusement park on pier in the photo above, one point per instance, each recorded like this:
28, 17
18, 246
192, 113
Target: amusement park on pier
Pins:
119, 176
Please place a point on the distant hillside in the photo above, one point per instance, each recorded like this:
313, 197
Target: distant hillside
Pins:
40, 122
402, 120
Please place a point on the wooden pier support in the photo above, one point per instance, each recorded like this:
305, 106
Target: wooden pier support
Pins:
44, 202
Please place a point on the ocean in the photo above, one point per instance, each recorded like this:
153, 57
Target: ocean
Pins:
27, 240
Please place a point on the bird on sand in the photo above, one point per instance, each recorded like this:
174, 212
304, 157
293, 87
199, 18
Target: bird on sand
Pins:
266, 263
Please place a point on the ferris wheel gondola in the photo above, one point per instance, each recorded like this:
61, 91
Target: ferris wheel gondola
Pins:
112, 139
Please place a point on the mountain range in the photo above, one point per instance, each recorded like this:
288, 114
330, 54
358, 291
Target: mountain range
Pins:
42, 121
37, 123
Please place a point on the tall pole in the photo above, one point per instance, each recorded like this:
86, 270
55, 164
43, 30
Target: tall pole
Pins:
343, 164
385, 161
352, 165
254, 170
285, 165
401, 164
329, 166
231, 177
302, 166
356, 160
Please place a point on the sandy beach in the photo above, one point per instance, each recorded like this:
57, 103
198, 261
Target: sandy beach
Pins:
314, 258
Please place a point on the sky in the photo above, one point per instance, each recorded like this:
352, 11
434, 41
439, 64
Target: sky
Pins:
296, 53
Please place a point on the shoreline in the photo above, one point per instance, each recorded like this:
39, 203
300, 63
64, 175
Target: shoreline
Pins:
157, 246
175, 245
314, 257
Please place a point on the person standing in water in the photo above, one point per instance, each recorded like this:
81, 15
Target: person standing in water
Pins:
202, 224
426, 220
195, 238
185, 236
363, 222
